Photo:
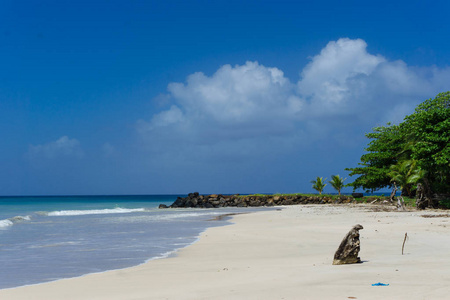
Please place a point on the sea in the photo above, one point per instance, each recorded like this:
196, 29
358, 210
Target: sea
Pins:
44, 239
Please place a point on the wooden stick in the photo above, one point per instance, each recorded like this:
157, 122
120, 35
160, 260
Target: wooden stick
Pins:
404, 240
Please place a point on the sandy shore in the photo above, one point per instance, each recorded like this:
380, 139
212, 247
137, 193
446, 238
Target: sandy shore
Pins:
284, 254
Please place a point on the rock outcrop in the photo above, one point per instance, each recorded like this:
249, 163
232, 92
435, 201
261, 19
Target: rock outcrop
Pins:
348, 250
214, 201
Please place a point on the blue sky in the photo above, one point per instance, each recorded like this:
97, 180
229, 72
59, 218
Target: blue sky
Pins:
157, 97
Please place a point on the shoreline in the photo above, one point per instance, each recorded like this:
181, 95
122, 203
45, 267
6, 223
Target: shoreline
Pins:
224, 217
282, 254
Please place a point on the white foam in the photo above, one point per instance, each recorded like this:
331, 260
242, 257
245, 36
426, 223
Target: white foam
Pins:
55, 245
187, 215
5, 223
117, 210
20, 218
9, 222
158, 217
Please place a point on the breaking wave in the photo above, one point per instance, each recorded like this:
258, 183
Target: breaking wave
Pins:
10, 222
117, 210
5, 223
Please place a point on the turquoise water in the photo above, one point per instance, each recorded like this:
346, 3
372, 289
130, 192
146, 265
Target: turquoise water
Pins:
49, 238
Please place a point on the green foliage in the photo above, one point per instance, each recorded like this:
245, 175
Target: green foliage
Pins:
429, 127
407, 174
416, 149
383, 151
445, 203
337, 183
319, 184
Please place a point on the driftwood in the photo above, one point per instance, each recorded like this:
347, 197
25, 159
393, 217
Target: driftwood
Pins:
348, 250
401, 204
394, 190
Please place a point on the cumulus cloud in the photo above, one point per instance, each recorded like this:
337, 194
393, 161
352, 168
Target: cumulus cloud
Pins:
62, 147
243, 101
326, 78
344, 87
345, 79
237, 94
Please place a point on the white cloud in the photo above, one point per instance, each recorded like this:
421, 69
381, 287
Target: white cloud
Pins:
326, 77
343, 88
163, 119
63, 147
237, 94
345, 79
235, 102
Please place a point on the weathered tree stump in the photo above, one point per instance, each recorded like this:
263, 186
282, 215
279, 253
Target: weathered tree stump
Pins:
420, 197
425, 198
348, 250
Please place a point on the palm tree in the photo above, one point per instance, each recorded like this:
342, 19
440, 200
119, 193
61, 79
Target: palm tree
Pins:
319, 184
337, 182
407, 174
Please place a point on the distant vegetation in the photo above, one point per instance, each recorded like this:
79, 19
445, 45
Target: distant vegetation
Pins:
415, 151
319, 184
337, 182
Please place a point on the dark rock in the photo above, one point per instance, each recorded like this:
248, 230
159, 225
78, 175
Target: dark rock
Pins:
193, 195
215, 200
357, 195
179, 202
191, 202
348, 250
287, 202
255, 202
163, 206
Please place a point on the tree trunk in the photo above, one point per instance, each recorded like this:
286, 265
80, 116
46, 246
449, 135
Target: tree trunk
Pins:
429, 194
394, 190
424, 196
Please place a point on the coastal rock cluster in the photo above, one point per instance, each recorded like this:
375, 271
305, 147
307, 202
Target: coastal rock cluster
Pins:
214, 201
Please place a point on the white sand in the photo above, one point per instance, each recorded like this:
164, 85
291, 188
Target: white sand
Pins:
283, 255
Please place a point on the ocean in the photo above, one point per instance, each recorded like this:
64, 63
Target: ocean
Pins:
49, 238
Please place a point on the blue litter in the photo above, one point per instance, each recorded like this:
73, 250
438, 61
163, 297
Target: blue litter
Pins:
380, 284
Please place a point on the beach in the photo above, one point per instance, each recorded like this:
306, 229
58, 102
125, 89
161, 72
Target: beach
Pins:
285, 253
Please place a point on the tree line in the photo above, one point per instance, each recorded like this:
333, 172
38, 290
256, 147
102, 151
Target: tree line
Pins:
413, 155
337, 182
